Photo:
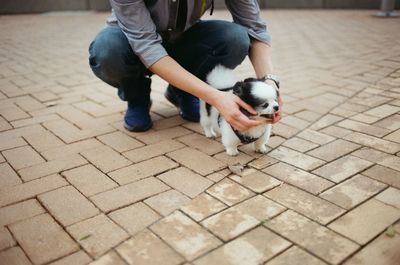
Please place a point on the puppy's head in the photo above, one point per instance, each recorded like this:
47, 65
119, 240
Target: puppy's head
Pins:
258, 94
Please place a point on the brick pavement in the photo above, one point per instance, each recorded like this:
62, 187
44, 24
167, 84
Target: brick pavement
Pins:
75, 187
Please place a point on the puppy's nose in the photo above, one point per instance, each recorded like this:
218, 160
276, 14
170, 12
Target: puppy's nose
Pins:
276, 108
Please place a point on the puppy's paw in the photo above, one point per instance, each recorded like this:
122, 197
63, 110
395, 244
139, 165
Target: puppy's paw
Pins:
232, 151
210, 134
261, 149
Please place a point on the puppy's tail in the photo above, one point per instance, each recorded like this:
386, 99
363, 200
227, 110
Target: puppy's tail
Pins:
221, 77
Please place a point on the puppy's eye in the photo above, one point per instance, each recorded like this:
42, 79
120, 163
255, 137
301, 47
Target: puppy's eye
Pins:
265, 105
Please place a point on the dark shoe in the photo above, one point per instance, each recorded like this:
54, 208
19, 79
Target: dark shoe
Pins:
188, 105
137, 117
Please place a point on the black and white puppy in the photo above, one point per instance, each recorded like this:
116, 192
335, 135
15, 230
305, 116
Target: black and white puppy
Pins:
258, 94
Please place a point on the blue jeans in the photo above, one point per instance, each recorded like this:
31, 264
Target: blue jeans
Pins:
198, 50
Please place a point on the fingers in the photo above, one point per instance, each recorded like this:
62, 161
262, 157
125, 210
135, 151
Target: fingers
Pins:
245, 106
242, 123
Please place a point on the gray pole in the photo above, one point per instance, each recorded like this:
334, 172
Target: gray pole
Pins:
387, 9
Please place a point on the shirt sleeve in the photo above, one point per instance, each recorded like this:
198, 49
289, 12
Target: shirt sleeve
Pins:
135, 22
247, 14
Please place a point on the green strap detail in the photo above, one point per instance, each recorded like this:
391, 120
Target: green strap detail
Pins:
203, 7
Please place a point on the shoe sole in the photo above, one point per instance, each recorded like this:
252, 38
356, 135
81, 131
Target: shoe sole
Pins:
137, 129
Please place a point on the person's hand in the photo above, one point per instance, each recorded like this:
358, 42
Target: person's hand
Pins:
228, 106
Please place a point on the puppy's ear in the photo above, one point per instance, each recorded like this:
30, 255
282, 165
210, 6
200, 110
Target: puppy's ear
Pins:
238, 89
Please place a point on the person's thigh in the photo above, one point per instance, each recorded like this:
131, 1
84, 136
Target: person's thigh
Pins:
209, 43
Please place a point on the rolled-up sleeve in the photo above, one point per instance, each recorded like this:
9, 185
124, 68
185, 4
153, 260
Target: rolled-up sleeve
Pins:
135, 21
247, 14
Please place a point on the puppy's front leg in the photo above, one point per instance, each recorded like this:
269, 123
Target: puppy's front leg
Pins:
229, 139
260, 145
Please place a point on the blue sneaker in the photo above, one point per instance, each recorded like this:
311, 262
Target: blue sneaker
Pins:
137, 117
188, 105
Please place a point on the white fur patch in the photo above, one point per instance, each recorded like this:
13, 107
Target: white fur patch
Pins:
221, 77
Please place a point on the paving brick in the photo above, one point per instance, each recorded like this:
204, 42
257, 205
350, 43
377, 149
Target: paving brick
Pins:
384, 174
8, 177
298, 177
217, 176
299, 144
366, 221
333, 150
203, 164
229, 192
254, 247
342, 168
185, 236
392, 162
119, 141
153, 150
70, 149
383, 250
325, 121
202, 207
105, 158
22, 157
89, 180
77, 258
11, 142
284, 130
134, 218
111, 258
158, 136
19, 211
352, 191
202, 143
263, 162
295, 122
295, 255
315, 137
383, 111
296, 158
256, 181
185, 181
390, 196
51, 167
370, 154
391, 123
395, 136
43, 141
313, 237
30, 233
142, 170
146, 248
167, 202
4, 125
242, 159
373, 142
128, 194
30, 189
67, 205
364, 128
14, 256
311, 206
6, 239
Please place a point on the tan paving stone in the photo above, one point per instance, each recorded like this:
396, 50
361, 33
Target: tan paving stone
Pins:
335, 131
395, 136
256, 181
373, 142
77, 258
185, 181
67, 205
142, 170
315, 238
14, 256
296, 158
295, 255
315, 137
370, 154
11, 142
229, 192
311, 206
158, 136
299, 144
263, 162
111, 258
51, 167
298, 177
119, 141
89, 180
30, 233
392, 162
383, 111
390, 196
391, 123
4, 125
146, 248
383, 250
185, 236
352, 191
153, 150
30, 189
97, 235
366, 221
333, 150
364, 128
284, 130
128, 194
8, 177
325, 121
254, 247
43, 141
70, 149
342, 168
20, 211
22, 157
202, 143
197, 161
202, 207
167, 202
242, 159
105, 158
6, 239
134, 218
384, 174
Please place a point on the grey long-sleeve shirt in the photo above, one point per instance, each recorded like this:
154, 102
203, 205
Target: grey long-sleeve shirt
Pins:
146, 22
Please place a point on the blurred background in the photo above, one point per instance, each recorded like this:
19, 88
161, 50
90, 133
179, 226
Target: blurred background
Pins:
38, 6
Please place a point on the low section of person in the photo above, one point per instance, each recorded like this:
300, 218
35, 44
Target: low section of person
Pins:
169, 39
